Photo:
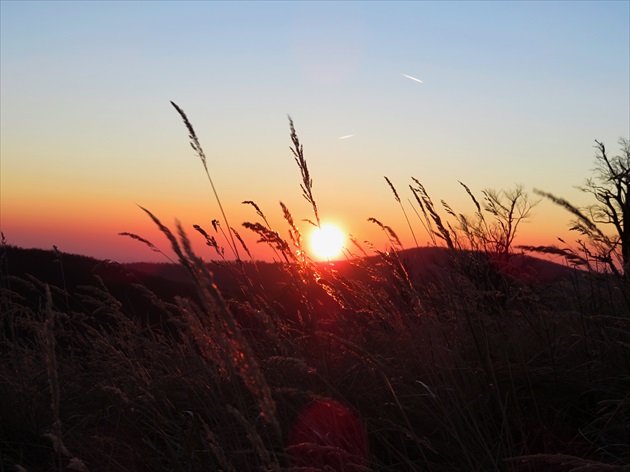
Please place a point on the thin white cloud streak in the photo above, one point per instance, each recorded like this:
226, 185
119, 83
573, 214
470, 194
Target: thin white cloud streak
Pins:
412, 78
346, 136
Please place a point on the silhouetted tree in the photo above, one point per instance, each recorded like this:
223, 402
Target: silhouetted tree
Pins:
610, 185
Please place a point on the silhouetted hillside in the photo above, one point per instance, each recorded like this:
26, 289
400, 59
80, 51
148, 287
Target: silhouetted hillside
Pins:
424, 264
77, 274
128, 282
71, 270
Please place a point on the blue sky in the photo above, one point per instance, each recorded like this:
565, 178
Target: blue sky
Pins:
512, 92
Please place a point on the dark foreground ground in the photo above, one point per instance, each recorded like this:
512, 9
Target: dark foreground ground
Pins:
411, 360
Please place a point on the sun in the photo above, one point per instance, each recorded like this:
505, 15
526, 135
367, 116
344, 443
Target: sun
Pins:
327, 241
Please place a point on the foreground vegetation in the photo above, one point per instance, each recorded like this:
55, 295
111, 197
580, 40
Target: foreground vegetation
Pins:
480, 366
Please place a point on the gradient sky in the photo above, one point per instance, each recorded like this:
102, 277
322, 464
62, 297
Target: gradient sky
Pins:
512, 93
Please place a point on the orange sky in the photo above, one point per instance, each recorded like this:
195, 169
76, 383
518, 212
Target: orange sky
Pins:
91, 225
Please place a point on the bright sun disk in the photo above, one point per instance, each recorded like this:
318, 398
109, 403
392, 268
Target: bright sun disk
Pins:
327, 241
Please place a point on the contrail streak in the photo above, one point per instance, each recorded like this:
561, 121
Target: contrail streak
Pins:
412, 78
346, 136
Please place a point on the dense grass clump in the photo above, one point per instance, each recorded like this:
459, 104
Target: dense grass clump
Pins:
461, 356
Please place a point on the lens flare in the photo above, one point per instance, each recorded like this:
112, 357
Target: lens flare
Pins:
328, 436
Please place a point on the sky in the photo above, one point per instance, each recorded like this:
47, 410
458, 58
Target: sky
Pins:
511, 93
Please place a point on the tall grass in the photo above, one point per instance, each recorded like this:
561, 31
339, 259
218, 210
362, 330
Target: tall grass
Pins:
371, 365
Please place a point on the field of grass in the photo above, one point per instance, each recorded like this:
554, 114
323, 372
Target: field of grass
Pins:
371, 365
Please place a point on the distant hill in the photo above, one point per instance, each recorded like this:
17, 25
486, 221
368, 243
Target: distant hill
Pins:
423, 263
71, 273
431, 261
167, 280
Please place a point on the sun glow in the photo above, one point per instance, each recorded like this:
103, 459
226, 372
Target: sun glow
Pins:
327, 241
